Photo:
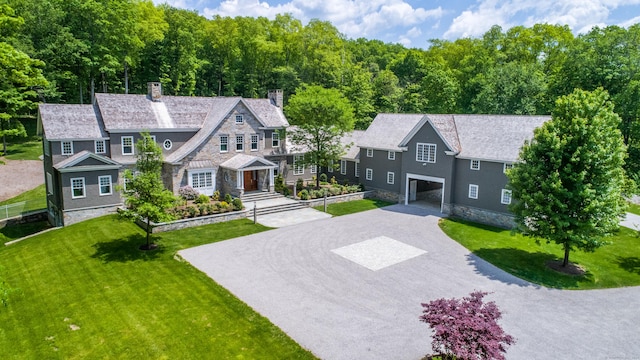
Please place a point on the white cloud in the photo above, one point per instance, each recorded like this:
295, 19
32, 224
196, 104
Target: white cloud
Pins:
630, 22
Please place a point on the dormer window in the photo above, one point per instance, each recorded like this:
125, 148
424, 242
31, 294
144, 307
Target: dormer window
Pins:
67, 147
239, 119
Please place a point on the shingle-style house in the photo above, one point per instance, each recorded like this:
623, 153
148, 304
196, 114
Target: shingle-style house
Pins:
459, 161
230, 144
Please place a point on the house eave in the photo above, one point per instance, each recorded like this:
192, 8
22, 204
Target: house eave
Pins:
89, 168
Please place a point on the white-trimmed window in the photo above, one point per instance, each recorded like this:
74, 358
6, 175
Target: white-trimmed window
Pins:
369, 152
239, 142
391, 177
67, 147
505, 197
167, 144
224, 143
239, 119
298, 168
369, 174
77, 188
506, 167
475, 165
49, 183
127, 145
473, 191
254, 142
426, 152
330, 166
313, 169
357, 169
343, 167
391, 155
100, 146
105, 184
201, 179
275, 139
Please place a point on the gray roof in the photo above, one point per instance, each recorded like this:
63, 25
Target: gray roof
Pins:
387, 131
70, 122
78, 158
243, 161
270, 115
495, 137
351, 140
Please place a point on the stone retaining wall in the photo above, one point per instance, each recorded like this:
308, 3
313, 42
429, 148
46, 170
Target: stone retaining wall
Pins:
338, 198
483, 216
77, 215
197, 221
388, 196
34, 216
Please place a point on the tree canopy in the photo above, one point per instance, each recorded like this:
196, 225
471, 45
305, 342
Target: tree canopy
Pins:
569, 180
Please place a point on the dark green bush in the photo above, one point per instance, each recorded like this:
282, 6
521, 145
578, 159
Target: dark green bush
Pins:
202, 199
237, 204
227, 198
323, 177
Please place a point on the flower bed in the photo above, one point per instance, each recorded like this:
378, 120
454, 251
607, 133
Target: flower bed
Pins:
193, 204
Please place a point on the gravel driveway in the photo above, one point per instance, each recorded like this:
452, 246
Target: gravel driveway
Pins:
18, 176
350, 288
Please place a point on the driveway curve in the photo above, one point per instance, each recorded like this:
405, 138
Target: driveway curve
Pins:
350, 287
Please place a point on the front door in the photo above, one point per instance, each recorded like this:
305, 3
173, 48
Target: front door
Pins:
251, 180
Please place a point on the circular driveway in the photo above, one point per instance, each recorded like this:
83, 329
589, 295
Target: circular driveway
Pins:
350, 287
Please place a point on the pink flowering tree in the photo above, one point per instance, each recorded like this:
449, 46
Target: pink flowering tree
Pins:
467, 328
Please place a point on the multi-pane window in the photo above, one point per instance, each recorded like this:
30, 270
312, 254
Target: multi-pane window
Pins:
473, 191
100, 147
426, 152
67, 147
77, 188
224, 143
505, 197
105, 184
391, 177
239, 119
127, 145
475, 164
506, 167
167, 144
239, 142
330, 166
343, 167
275, 139
313, 169
391, 155
202, 180
369, 152
254, 142
357, 169
298, 168
369, 174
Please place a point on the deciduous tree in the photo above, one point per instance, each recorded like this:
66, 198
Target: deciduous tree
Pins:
569, 179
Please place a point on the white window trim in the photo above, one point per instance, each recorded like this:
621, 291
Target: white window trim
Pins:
208, 176
391, 177
369, 174
241, 143
104, 146
165, 142
420, 154
357, 169
239, 116
343, 167
70, 147
505, 193
275, 139
369, 152
506, 166
476, 162
46, 145
391, 155
84, 190
49, 183
313, 169
330, 166
226, 137
297, 169
122, 145
257, 142
100, 185
473, 191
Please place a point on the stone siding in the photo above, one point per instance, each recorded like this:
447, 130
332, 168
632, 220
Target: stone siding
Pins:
78, 215
197, 221
483, 216
387, 196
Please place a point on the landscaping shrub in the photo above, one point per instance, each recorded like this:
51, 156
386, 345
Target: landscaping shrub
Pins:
202, 208
227, 198
202, 199
222, 206
188, 193
323, 178
216, 195
279, 184
333, 180
299, 184
303, 194
237, 204
192, 211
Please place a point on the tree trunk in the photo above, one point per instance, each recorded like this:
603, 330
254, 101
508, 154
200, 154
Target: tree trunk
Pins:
148, 231
4, 145
80, 91
565, 262
93, 88
126, 78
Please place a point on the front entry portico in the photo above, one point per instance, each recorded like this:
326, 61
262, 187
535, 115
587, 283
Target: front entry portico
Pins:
251, 173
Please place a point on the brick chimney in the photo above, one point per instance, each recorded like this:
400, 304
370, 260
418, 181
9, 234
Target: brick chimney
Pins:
154, 91
276, 97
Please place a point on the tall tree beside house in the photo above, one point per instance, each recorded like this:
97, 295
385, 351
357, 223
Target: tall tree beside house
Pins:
145, 197
321, 117
569, 179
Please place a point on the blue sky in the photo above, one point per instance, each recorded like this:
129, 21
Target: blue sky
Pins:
413, 22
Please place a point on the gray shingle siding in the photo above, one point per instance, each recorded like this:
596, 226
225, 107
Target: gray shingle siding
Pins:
380, 166
92, 196
490, 180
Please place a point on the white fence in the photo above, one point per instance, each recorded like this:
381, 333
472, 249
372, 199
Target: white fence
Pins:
19, 208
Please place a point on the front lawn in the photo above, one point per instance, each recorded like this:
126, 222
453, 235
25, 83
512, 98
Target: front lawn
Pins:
633, 208
613, 265
34, 199
350, 207
86, 292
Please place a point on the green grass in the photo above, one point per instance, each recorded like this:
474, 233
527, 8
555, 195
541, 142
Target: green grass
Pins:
613, 265
35, 199
29, 148
127, 303
350, 207
633, 208
13, 232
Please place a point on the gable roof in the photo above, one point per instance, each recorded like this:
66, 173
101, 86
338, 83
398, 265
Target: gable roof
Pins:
247, 162
268, 114
74, 163
387, 131
351, 139
70, 122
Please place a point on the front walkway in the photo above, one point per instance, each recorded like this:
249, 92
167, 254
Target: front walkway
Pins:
350, 287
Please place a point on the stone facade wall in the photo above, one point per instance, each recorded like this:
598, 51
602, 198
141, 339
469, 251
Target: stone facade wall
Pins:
197, 221
388, 196
338, 198
483, 216
78, 215
430, 195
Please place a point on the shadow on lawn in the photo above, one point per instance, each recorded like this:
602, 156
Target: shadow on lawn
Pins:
127, 249
522, 268
629, 263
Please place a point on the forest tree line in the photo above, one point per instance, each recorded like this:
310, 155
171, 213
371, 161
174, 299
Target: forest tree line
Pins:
117, 46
